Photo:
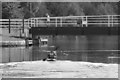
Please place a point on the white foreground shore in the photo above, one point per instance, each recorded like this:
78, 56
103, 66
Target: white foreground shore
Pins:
58, 69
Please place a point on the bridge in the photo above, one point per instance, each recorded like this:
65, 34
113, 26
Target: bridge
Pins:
66, 25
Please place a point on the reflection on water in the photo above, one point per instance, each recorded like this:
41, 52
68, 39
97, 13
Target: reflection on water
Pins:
74, 48
15, 54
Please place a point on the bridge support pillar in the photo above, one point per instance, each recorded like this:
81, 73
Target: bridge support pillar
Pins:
35, 40
26, 33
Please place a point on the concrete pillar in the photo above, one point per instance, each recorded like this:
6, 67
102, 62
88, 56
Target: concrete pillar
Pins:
26, 33
35, 40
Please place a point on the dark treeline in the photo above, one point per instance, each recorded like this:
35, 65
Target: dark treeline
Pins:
38, 9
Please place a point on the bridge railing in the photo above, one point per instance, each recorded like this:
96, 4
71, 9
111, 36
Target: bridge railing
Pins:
15, 26
14, 23
64, 21
77, 21
109, 20
53, 21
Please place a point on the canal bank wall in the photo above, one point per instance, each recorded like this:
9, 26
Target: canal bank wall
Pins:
14, 38
16, 43
11, 42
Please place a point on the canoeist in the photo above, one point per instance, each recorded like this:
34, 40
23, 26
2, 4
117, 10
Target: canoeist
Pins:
52, 55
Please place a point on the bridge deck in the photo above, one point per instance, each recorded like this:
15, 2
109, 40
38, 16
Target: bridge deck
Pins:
74, 31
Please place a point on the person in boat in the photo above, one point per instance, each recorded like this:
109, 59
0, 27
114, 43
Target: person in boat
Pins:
52, 55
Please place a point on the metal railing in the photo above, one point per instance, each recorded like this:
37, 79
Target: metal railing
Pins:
14, 23
109, 20
64, 21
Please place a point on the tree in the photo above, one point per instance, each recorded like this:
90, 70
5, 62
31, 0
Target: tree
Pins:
64, 9
75, 9
12, 10
105, 9
5, 11
0, 10
57, 9
40, 10
88, 8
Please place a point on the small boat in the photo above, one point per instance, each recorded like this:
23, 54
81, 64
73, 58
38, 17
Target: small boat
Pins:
51, 56
50, 59
47, 59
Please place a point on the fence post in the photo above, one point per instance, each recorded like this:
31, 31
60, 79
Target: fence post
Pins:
61, 21
37, 23
9, 26
23, 26
28, 23
56, 21
31, 22
112, 21
34, 22
20, 33
86, 22
82, 20
108, 21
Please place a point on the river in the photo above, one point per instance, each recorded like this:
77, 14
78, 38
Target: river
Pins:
97, 49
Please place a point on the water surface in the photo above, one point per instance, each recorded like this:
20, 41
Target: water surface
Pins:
98, 49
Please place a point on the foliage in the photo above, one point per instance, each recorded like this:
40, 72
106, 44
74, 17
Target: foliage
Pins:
105, 9
35, 9
12, 10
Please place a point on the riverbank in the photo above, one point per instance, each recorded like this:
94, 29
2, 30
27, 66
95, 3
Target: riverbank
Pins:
12, 39
7, 41
58, 69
